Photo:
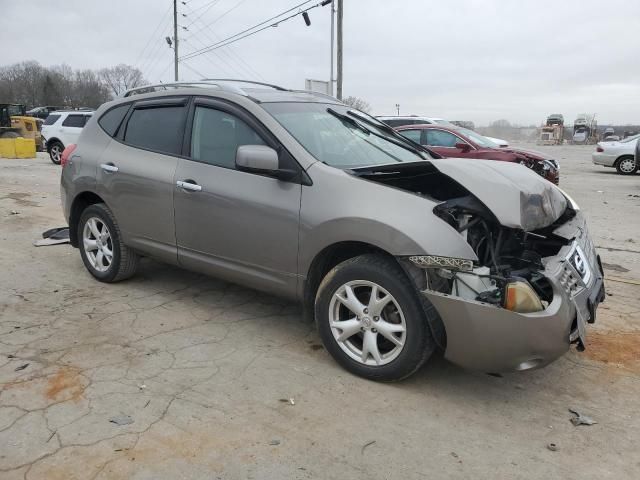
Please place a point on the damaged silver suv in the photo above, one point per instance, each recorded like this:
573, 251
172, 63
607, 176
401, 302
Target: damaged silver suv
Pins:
394, 251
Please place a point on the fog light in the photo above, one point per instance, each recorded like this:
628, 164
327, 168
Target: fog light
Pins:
520, 297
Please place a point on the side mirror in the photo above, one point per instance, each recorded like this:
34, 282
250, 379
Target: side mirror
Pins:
262, 159
465, 147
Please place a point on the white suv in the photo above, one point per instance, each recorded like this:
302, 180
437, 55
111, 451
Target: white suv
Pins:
61, 129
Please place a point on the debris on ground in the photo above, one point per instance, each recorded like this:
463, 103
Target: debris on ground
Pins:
14, 212
615, 267
53, 236
368, 444
274, 442
580, 419
21, 367
142, 387
553, 447
121, 420
290, 401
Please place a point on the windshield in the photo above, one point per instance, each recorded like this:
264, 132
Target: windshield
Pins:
477, 138
630, 139
16, 110
333, 134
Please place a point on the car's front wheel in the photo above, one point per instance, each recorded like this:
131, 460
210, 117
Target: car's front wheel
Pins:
627, 165
371, 319
55, 152
103, 253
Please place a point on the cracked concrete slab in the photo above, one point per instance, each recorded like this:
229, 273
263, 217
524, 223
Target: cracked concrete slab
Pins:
202, 367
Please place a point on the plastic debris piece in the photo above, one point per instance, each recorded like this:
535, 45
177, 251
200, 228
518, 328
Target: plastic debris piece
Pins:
368, 444
21, 367
121, 420
553, 447
580, 419
274, 442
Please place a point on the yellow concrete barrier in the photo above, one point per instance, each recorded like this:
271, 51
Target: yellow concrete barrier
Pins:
17, 147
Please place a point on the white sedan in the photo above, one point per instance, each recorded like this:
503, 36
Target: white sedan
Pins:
619, 155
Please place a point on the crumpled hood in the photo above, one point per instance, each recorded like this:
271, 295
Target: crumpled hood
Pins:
532, 154
517, 196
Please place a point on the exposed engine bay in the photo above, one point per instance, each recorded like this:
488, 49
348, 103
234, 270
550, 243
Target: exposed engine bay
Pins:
509, 268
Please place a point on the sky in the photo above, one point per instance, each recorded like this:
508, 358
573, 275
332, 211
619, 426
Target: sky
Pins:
478, 60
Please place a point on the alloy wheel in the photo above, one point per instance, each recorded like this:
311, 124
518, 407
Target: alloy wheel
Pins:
97, 244
56, 153
627, 165
367, 323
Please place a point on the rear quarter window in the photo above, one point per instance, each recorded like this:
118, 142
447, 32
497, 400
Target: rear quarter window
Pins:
51, 119
75, 121
111, 120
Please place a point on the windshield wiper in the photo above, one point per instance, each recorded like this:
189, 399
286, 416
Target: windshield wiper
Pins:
349, 120
386, 128
352, 120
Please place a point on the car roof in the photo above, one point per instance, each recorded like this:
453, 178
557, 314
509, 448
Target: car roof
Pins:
79, 112
432, 126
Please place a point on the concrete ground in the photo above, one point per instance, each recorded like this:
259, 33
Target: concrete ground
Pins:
206, 370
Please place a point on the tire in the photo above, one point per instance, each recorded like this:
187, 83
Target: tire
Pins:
403, 310
10, 135
55, 152
626, 165
96, 241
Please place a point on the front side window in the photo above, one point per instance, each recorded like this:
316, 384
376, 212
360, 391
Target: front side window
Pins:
216, 136
341, 142
74, 121
51, 119
156, 128
440, 138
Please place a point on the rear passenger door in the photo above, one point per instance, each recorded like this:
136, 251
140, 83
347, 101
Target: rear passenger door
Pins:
234, 224
444, 143
135, 174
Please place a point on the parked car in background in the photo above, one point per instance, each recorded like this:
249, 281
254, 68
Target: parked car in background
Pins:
43, 112
62, 128
399, 121
486, 260
618, 154
457, 142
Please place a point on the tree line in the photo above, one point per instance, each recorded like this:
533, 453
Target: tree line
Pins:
34, 85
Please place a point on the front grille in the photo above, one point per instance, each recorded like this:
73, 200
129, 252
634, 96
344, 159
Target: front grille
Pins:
569, 281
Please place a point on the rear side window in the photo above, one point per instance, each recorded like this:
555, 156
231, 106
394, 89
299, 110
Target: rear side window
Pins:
51, 119
440, 138
75, 121
111, 120
156, 128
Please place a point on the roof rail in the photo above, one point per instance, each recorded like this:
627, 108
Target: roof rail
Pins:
165, 86
276, 87
320, 94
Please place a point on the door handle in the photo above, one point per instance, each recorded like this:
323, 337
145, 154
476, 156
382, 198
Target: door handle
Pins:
189, 185
109, 167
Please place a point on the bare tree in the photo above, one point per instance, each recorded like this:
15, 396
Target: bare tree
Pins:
121, 78
357, 103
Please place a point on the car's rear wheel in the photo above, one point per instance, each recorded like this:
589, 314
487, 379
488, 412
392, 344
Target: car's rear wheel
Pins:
371, 319
103, 253
627, 165
55, 152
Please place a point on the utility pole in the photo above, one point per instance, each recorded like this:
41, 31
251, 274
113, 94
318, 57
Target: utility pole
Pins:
175, 39
340, 15
333, 36
398, 108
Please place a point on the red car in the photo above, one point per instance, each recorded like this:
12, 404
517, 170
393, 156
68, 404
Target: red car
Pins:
452, 141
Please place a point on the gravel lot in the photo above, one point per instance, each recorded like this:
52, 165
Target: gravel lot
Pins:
206, 371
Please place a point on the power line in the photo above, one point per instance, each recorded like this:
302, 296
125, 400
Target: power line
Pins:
162, 21
229, 53
236, 37
208, 5
223, 15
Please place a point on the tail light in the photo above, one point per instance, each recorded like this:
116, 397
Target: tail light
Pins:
66, 154
599, 149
